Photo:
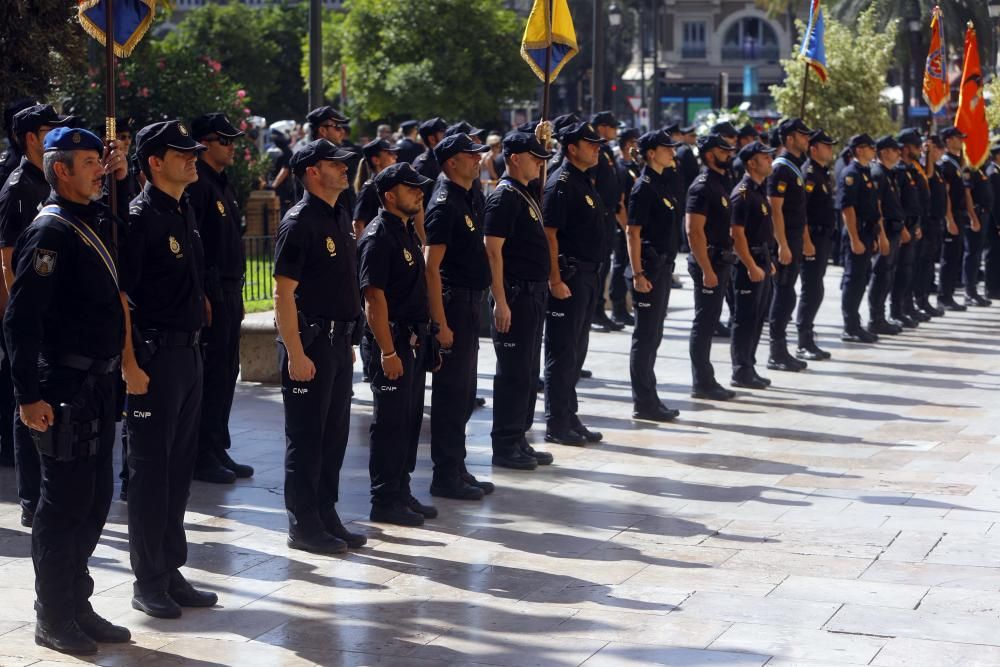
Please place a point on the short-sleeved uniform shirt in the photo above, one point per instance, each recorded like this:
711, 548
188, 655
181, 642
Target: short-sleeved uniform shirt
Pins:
687, 166
366, 208
454, 219
888, 197
938, 196
652, 207
752, 212
220, 222
820, 208
909, 186
979, 184
572, 205
993, 172
163, 263
855, 189
709, 197
628, 171
20, 199
390, 260
514, 215
950, 167
606, 180
427, 166
316, 248
788, 181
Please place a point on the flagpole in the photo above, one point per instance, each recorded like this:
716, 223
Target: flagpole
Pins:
545, 91
805, 87
110, 132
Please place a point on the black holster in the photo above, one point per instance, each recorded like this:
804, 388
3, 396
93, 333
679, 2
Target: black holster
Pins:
68, 439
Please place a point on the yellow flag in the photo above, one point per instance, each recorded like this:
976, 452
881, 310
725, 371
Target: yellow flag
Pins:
538, 37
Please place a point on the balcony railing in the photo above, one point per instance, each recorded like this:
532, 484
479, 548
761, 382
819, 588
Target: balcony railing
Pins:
693, 51
751, 52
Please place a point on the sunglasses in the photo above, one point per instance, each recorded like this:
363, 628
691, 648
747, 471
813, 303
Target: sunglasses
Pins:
336, 126
222, 141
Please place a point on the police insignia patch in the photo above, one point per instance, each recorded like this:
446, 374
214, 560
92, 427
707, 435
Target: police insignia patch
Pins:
532, 213
782, 186
763, 208
407, 256
590, 201
849, 180
45, 261
469, 224
666, 202
175, 247
219, 205
725, 202
810, 187
76, 138
331, 247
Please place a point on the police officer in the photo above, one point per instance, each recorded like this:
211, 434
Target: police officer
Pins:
787, 193
519, 263
887, 152
317, 325
710, 261
220, 222
982, 198
391, 269
963, 224
821, 226
64, 327
753, 240
326, 122
653, 217
628, 171
478, 135
991, 237
376, 155
745, 135
686, 159
163, 270
458, 273
857, 199
431, 133
408, 145
574, 218
22, 196
605, 175
932, 226
914, 196
11, 156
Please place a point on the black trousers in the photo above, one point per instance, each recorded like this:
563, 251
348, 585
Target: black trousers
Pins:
813, 290
317, 423
163, 445
857, 270
518, 353
607, 246
453, 386
972, 257
567, 337
783, 301
221, 342
951, 259
902, 284
27, 467
883, 275
7, 404
75, 498
991, 254
397, 415
650, 311
928, 253
707, 309
753, 301
618, 287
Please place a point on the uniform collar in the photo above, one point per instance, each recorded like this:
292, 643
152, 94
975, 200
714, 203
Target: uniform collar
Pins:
28, 167
86, 212
653, 176
309, 199
391, 219
160, 199
205, 171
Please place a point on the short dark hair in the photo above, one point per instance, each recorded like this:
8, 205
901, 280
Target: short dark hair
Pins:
144, 161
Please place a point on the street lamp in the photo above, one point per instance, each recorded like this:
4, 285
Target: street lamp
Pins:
615, 14
615, 21
910, 81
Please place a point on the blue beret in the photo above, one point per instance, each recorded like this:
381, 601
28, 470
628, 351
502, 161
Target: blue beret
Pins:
73, 139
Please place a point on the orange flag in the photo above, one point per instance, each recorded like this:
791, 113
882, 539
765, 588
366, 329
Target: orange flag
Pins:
971, 116
936, 91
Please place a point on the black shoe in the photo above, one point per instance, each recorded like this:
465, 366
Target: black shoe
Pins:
27, 517
568, 437
428, 511
157, 605
933, 311
585, 374
65, 637
241, 470
948, 303
515, 460
456, 489
882, 327
397, 513
486, 487
918, 315
675, 283
714, 393
603, 323
897, 323
209, 469
810, 352
748, 382
321, 543
721, 331
102, 630
480, 402
977, 301
334, 526
659, 413
183, 593
543, 458
623, 318
588, 435
761, 378
785, 362
858, 335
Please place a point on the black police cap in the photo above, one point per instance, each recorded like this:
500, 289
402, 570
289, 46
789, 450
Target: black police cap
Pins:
528, 127
724, 129
451, 146
579, 132
673, 128
710, 141
463, 127
628, 134
995, 149
949, 132
214, 123
604, 118
30, 119
373, 148
792, 125
165, 134
320, 115
561, 122
433, 126
748, 131
859, 140
752, 149
652, 140
401, 173
72, 139
886, 142
821, 137
315, 151
689, 129
524, 142
408, 126
910, 136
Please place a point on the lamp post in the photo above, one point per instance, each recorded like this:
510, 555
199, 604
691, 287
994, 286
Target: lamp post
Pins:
315, 53
994, 8
615, 21
913, 27
597, 61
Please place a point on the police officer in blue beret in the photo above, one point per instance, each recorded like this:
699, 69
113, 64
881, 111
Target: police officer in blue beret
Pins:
64, 327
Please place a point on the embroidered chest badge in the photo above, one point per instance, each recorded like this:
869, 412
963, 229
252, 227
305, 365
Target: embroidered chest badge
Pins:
331, 247
175, 247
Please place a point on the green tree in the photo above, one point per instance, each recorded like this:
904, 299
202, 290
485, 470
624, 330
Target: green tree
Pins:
40, 43
857, 62
993, 107
450, 58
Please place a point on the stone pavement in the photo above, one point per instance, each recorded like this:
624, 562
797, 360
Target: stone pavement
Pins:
845, 516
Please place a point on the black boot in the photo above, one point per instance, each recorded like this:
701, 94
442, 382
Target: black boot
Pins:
64, 637
241, 470
620, 315
334, 526
209, 469
101, 629
183, 593
156, 604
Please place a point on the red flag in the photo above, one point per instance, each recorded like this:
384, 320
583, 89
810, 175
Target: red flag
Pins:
935, 82
971, 116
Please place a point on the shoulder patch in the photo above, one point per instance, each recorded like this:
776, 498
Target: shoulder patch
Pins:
45, 262
782, 186
443, 197
564, 176
645, 179
810, 186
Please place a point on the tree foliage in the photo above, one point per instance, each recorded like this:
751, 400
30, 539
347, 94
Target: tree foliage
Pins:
850, 102
993, 107
450, 58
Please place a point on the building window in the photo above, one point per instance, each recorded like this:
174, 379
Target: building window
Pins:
752, 39
693, 39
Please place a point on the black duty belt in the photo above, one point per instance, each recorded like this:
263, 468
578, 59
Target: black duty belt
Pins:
82, 363
464, 293
172, 338
334, 327
530, 286
580, 265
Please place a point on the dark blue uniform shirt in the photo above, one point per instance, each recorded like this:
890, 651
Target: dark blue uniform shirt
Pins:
390, 260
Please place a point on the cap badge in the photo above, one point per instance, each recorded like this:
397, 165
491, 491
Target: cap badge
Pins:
175, 247
76, 138
182, 129
331, 247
